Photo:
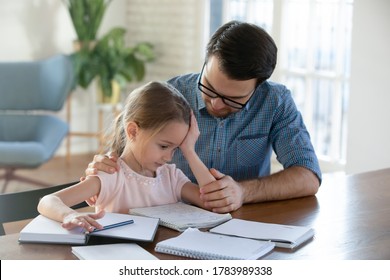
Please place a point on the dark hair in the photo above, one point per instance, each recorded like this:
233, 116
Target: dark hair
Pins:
245, 51
151, 107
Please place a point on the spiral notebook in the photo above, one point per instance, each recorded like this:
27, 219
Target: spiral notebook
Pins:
286, 236
196, 244
180, 216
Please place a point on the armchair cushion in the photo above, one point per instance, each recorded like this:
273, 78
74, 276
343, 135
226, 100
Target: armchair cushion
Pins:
29, 142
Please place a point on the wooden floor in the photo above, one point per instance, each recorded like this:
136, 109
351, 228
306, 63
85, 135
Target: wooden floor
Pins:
55, 172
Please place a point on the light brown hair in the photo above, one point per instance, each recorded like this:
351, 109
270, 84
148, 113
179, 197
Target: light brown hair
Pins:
151, 107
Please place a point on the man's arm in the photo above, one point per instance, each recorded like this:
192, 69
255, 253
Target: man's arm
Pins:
225, 194
103, 163
292, 182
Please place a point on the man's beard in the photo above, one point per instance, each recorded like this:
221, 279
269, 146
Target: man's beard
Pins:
220, 113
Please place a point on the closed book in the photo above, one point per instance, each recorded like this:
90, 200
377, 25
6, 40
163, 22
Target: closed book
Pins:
118, 251
180, 216
286, 236
193, 243
44, 230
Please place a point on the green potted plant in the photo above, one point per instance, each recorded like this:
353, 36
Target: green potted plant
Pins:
107, 58
115, 64
86, 16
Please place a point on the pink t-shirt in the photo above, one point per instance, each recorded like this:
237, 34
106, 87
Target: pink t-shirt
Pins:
127, 189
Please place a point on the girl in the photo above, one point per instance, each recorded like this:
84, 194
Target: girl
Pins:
156, 121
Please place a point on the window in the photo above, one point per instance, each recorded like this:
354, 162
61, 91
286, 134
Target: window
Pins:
314, 38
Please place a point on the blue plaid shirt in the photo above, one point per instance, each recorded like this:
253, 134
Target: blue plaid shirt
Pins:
241, 144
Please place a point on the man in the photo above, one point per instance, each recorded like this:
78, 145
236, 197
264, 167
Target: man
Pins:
242, 117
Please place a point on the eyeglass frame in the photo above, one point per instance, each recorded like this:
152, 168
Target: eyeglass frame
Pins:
223, 98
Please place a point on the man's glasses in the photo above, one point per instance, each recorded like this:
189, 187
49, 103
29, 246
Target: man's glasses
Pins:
211, 93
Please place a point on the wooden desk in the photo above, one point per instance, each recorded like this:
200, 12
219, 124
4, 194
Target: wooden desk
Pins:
350, 214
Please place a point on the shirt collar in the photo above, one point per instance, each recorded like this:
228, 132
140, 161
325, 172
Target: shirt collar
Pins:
201, 104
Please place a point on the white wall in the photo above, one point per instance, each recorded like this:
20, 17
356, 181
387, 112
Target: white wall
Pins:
369, 114
175, 28
37, 29
33, 29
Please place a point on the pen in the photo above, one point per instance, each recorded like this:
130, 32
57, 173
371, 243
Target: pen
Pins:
128, 222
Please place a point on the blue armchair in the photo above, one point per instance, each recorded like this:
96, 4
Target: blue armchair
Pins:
30, 133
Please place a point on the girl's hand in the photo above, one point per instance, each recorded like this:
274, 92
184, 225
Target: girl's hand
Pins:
189, 141
84, 220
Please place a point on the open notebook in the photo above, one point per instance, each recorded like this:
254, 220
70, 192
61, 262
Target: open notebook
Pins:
45, 230
180, 216
286, 236
193, 243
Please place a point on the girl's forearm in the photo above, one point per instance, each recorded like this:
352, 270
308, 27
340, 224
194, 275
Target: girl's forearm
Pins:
198, 168
52, 207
